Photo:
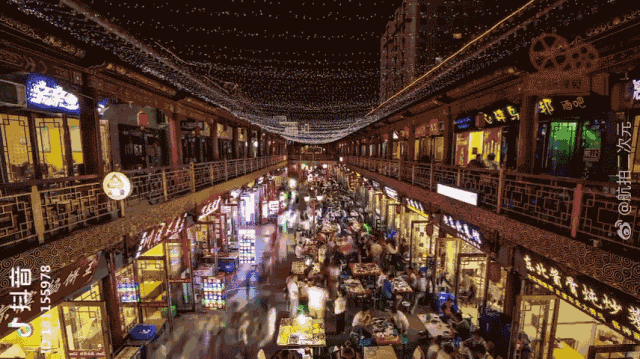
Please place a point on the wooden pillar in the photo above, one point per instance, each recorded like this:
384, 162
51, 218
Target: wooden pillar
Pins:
390, 145
527, 135
411, 142
175, 138
214, 141
33, 139
447, 151
234, 144
250, 151
260, 142
513, 286
90, 134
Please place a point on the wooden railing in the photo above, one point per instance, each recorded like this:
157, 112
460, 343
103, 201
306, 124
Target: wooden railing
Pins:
312, 157
38, 210
574, 207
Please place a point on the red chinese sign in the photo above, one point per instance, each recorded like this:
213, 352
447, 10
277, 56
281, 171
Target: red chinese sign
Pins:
220, 230
31, 294
152, 237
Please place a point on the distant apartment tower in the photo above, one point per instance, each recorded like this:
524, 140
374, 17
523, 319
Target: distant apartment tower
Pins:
406, 46
422, 34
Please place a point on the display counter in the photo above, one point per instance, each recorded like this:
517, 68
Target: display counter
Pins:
310, 332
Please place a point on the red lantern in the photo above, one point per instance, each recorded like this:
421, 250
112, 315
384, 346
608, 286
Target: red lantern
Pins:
143, 119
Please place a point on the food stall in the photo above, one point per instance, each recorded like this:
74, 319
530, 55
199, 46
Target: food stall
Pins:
302, 331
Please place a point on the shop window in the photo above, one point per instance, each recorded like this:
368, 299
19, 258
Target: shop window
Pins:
84, 328
41, 343
76, 146
438, 146
92, 295
16, 146
127, 285
152, 277
50, 134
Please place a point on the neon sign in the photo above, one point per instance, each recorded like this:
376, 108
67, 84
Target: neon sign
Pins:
209, 208
44, 93
619, 310
465, 231
636, 90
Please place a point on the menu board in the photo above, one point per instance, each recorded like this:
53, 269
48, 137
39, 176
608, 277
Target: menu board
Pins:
220, 230
247, 245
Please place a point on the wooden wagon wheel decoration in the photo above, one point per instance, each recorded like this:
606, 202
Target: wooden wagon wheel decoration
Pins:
548, 52
582, 57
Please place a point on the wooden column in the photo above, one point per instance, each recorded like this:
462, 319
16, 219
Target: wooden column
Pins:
411, 142
90, 134
513, 286
250, 151
447, 153
175, 138
527, 135
234, 143
214, 141
390, 145
33, 139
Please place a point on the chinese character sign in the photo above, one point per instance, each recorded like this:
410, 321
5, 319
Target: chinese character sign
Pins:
606, 304
35, 291
465, 231
43, 93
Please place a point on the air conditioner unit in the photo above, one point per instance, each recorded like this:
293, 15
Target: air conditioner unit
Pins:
12, 94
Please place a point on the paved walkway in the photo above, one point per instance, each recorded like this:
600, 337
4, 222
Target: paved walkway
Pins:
200, 335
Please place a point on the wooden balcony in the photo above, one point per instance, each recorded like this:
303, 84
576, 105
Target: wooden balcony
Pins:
34, 212
580, 209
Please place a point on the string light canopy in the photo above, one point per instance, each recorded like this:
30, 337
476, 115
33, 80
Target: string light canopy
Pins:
312, 63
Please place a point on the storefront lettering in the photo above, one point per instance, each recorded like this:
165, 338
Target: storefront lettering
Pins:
71, 278
210, 208
44, 93
587, 300
636, 90
465, 231
546, 106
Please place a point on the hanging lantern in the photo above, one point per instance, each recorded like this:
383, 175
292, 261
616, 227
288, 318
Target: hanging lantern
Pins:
143, 119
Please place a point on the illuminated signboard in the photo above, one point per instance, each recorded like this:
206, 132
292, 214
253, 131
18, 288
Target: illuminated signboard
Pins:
465, 123
636, 90
458, 194
390, 192
209, 208
465, 231
102, 106
44, 93
376, 185
501, 116
613, 307
415, 206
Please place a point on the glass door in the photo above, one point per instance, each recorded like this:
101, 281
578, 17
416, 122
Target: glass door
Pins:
534, 325
86, 329
470, 284
421, 244
152, 275
561, 148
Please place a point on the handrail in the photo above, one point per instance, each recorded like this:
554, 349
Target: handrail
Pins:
570, 206
38, 210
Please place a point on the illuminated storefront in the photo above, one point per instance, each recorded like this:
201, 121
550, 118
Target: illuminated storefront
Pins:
430, 141
493, 130
463, 262
570, 135
66, 317
564, 306
53, 113
160, 263
421, 233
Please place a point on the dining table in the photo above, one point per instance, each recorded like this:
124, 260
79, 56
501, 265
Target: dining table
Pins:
364, 269
384, 331
435, 326
380, 352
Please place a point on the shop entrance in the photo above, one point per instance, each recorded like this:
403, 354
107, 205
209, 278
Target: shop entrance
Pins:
534, 324
152, 276
85, 329
471, 281
421, 245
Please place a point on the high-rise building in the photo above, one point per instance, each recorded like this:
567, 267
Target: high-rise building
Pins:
421, 35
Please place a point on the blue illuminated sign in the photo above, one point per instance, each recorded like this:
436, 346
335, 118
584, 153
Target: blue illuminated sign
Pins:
44, 93
102, 106
464, 123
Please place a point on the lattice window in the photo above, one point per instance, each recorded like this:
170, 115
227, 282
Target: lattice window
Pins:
92, 295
